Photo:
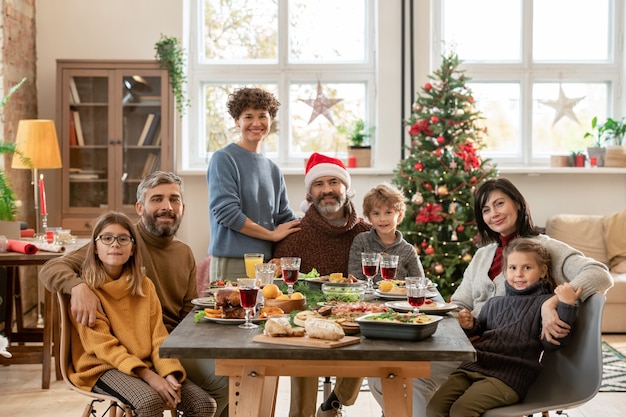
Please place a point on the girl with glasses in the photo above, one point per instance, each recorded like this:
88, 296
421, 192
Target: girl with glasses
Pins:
119, 355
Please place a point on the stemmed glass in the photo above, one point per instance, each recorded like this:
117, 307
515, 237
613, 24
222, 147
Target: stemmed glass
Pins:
370, 262
389, 266
248, 292
416, 292
264, 276
291, 270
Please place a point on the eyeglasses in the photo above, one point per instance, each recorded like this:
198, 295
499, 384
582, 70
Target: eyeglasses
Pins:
108, 240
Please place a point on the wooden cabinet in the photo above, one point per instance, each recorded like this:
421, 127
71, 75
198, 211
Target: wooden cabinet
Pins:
115, 122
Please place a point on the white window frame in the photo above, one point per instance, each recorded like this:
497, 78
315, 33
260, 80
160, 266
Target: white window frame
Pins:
384, 111
527, 73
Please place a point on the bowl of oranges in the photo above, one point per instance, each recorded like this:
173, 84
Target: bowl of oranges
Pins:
274, 297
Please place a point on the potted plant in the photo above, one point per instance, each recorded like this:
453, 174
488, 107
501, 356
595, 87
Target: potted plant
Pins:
614, 131
171, 56
599, 134
359, 149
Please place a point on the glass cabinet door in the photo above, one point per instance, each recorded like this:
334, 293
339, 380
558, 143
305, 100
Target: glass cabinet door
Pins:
88, 115
141, 97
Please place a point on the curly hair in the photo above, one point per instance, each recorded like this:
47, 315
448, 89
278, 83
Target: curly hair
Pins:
384, 194
251, 98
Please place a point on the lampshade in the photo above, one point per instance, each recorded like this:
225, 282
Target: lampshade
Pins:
37, 141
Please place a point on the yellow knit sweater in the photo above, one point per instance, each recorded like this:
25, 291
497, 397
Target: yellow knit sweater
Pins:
126, 337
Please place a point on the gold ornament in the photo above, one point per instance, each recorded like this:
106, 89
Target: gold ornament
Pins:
417, 198
442, 190
467, 257
439, 268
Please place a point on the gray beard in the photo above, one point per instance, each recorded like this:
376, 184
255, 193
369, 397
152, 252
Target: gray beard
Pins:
160, 230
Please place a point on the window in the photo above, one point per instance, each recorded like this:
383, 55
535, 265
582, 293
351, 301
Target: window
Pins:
296, 49
540, 70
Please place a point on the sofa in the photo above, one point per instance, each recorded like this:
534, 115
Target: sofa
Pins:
602, 237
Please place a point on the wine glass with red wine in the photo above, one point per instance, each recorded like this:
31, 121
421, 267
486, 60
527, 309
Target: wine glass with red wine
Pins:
389, 266
370, 262
291, 270
416, 292
248, 292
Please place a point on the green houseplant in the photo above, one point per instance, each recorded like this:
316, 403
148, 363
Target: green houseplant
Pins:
171, 56
359, 149
611, 132
8, 206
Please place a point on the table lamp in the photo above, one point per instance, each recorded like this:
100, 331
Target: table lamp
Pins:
38, 148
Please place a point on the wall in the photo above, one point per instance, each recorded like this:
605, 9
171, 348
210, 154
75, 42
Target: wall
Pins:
122, 29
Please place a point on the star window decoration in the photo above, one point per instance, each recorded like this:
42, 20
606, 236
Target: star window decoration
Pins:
563, 106
321, 105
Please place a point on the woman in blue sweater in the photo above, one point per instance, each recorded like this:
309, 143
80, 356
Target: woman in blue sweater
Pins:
508, 345
248, 205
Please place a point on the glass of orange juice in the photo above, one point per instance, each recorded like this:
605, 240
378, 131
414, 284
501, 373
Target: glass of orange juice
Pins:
252, 259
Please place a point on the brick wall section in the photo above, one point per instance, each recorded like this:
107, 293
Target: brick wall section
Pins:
19, 60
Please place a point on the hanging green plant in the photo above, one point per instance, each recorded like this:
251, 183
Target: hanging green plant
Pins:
171, 56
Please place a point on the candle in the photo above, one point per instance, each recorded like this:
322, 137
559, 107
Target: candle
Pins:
42, 196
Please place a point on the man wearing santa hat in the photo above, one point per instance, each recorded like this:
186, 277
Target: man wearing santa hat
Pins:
328, 227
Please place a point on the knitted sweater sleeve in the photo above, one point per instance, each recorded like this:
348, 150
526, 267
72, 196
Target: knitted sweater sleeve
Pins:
354, 261
570, 265
62, 274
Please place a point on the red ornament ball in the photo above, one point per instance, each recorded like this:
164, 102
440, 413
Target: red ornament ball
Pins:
419, 166
424, 244
460, 228
441, 140
428, 86
473, 179
434, 119
428, 186
430, 250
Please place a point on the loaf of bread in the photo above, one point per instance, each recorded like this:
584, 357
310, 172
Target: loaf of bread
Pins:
280, 327
323, 329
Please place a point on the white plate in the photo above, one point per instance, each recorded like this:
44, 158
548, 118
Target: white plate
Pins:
389, 296
430, 308
430, 293
204, 302
233, 321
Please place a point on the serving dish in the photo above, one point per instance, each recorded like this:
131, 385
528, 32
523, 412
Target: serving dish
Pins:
433, 307
375, 329
286, 305
347, 293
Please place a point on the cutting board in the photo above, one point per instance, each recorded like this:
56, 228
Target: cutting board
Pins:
307, 341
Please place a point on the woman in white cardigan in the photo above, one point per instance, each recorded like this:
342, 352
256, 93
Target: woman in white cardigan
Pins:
502, 214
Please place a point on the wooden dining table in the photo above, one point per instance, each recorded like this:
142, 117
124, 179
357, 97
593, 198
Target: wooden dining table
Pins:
254, 368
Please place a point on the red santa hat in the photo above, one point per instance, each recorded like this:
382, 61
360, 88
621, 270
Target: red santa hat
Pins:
320, 165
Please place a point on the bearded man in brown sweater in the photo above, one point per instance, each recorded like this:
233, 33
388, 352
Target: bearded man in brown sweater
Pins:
169, 264
328, 227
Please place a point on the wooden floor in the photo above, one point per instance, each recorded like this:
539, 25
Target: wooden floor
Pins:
22, 396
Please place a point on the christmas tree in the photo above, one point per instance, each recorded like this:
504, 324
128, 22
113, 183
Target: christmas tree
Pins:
440, 175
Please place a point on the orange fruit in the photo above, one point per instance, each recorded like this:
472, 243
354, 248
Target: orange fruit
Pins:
296, 296
270, 291
283, 297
